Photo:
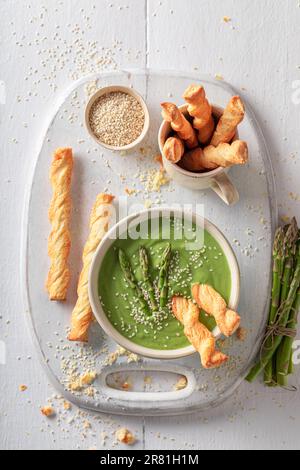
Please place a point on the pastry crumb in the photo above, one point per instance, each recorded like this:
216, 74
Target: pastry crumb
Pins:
181, 384
156, 180
23, 388
241, 333
218, 76
126, 386
88, 378
87, 425
125, 437
48, 411
76, 383
67, 406
226, 19
130, 192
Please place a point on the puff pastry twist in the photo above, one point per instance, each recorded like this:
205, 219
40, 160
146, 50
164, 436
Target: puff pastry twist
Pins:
180, 124
199, 336
210, 158
82, 315
212, 303
201, 110
59, 215
233, 115
173, 149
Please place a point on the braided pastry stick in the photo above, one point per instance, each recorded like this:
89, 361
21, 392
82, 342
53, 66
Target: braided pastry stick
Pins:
179, 124
59, 243
212, 303
199, 336
227, 125
225, 155
82, 315
173, 149
211, 157
201, 110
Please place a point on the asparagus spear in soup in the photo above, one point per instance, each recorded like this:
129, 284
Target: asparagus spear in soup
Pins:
131, 280
144, 262
164, 275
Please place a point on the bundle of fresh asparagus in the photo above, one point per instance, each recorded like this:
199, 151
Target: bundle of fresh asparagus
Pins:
276, 352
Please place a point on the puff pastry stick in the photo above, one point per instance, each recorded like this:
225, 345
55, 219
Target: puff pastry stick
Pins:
179, 124
225, 155
211, 157
192, 161
82, 314
227, 125
199, 336
174, 149
212, 303
59, 243
201, 110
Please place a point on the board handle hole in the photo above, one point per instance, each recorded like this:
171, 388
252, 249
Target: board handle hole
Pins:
150, 381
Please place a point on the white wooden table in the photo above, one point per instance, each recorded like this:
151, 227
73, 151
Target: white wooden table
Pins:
44, 46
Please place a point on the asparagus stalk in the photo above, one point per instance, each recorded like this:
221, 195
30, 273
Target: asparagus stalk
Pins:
278, 256
270, 378
163, 276
273, 343
131, 280
284, 362
144, 261
292, 236
291, 365
282, 380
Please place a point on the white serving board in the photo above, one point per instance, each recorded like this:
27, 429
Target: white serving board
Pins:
248, 226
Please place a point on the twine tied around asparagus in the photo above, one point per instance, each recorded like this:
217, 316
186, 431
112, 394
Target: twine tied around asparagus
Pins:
276, 329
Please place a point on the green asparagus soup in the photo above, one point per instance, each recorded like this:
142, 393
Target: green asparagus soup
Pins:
124, 304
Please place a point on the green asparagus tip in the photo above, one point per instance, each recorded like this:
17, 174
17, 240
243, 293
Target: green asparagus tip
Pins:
291, 237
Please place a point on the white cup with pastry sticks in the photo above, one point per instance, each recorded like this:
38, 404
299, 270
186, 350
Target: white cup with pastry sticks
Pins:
217, 179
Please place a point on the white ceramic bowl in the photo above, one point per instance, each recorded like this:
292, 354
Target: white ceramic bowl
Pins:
123, 89
109, 239
216, 179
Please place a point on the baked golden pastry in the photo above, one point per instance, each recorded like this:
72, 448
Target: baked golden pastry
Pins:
225, 155
199, 336
201, 110
211, 157
99, 222
173, 149
233, 115
192, 161
59, 243
179, 124
212, 303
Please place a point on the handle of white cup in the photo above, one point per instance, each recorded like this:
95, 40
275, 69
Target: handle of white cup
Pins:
225, 189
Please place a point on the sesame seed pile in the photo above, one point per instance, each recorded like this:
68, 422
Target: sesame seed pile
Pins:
117, 119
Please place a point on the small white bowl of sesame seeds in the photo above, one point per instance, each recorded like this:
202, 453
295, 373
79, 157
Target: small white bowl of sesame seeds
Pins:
117, 118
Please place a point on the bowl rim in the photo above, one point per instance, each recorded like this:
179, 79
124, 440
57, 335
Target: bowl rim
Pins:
106, 243
110, 89
177, 168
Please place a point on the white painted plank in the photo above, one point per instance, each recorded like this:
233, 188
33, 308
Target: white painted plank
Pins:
44, 46
256, 52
